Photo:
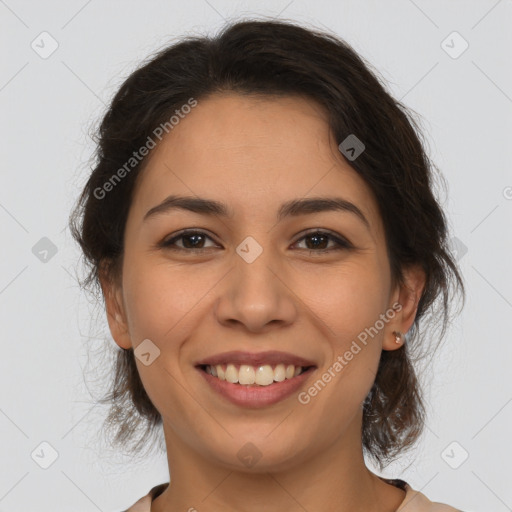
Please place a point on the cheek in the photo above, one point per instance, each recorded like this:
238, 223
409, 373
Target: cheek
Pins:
347, 376
162, 303
161, 298
348, 300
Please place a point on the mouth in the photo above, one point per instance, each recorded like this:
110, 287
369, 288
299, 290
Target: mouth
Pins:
255, 380
249, 375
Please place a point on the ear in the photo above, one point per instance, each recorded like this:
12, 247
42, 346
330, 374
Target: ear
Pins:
405, 297
116, 315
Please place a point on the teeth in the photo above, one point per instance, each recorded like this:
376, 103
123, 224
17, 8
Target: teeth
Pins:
246, 374
279, 373
263, 375
232, 374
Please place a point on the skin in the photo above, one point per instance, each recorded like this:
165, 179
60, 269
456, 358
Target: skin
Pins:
253, 154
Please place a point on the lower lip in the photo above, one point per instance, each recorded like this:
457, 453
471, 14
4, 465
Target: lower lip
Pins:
256, 396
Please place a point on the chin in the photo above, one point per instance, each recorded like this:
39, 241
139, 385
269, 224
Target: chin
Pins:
260, 455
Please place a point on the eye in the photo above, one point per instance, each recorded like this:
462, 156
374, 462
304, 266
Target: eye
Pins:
320, 240
317, 241
191, 240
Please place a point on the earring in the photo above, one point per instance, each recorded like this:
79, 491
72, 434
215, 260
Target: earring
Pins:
398, 337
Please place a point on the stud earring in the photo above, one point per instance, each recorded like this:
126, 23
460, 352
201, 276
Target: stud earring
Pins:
398, 337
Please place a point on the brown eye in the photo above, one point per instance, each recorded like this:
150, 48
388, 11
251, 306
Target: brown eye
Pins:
190, 240
318, 241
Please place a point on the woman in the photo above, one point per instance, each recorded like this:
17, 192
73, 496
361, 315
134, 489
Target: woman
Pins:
262, 224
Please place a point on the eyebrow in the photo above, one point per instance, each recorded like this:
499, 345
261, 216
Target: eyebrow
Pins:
292, 208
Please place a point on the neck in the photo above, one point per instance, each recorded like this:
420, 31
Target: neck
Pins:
335, 480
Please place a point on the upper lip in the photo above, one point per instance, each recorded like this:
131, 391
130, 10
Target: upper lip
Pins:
255, 359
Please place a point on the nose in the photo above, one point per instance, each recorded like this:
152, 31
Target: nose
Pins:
255, 296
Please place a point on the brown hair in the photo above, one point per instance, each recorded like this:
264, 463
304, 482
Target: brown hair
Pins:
274, 58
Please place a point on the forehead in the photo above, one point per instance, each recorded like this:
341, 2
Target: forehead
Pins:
254, 153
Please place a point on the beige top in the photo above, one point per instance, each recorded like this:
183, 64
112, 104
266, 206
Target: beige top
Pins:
414, 501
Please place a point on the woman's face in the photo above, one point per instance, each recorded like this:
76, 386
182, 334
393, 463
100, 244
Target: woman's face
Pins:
256, 280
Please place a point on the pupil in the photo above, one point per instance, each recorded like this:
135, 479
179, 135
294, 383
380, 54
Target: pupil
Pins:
316, 237
189, 237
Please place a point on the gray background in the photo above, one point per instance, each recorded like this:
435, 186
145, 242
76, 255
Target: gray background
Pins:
48, 105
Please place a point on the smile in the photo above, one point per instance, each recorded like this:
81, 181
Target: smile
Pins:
246, 392
262, 375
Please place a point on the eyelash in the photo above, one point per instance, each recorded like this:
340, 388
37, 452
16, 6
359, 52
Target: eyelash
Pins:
342, 244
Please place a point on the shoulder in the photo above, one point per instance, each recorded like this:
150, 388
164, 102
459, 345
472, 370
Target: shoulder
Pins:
415, 501
144, 503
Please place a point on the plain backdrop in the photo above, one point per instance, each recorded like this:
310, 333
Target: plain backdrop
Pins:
50, 102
